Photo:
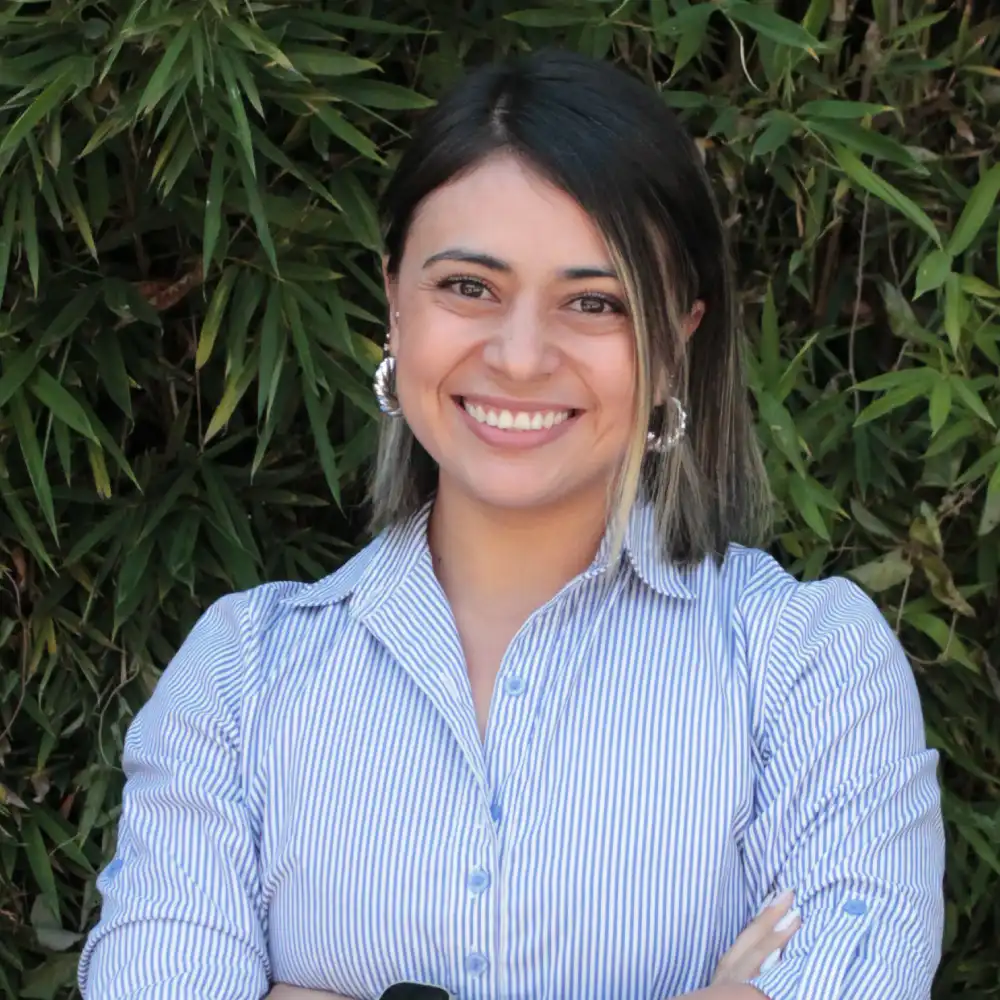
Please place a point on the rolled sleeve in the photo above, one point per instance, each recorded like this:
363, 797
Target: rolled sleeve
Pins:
182, 914
848, 804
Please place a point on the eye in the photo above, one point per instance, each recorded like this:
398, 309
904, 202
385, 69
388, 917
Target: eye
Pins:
465, 285
598, 304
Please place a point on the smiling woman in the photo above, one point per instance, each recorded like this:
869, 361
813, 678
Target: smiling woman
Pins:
560, 732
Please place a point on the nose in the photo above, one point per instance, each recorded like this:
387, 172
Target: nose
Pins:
520, 348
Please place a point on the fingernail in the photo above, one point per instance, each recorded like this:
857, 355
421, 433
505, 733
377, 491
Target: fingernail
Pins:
770, 962
785, 923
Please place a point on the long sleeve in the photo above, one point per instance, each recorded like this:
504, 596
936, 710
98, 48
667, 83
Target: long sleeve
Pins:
182, 916
848, 803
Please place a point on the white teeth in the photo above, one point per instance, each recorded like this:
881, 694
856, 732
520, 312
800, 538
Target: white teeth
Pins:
522, 420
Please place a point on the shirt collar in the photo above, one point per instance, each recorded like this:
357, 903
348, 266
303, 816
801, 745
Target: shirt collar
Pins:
372, 575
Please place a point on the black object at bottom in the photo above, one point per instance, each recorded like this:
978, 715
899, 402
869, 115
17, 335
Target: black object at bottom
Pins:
415, 991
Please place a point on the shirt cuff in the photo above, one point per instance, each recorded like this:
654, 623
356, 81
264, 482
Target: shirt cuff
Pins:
825, 964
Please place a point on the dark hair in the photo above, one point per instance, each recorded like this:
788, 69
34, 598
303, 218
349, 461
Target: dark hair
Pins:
610, 142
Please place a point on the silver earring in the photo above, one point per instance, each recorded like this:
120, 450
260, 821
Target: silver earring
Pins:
384, 382
663, 442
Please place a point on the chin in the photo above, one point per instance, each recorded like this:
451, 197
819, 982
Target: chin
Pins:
516, 492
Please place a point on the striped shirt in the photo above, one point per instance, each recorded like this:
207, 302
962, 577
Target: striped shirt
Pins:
308, 798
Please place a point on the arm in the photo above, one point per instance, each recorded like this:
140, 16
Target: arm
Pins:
848, 805
182, 914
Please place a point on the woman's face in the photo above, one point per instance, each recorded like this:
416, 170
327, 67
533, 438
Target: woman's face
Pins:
514, 351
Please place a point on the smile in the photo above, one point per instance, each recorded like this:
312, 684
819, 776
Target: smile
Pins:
515, 420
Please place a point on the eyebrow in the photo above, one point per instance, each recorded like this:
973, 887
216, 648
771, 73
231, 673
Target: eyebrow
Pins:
492, 263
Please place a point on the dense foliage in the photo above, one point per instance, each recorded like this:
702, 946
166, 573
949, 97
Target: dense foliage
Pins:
190, 314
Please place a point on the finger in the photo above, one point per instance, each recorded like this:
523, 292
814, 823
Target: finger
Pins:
763, 924
765, 936
784, 930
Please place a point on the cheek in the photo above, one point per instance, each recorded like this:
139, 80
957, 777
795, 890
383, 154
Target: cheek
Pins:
426, 356
612, 379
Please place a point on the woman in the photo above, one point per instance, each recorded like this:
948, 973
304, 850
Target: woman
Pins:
560, 731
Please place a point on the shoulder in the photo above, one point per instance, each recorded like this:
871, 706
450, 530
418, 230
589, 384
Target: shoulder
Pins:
766, 592
244, 639
789, 628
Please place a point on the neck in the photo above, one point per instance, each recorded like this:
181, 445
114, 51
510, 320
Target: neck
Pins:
513, 559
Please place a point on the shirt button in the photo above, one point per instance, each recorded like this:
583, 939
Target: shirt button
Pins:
478, 880
856, 907
475, 964
514, 686
496, 812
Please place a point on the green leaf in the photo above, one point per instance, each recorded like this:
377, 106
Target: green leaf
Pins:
869, 521
841, 109
940, 404
939, 631
880, 574
49, 99
972, 285
990, 516
131, 581
300, 341
770, 341
29, 230
246, 81
802, 496
933, 271
239, 111
39, 862
7, 237
107, 353
774, 136
272, 349
249, 179
968, 394
23, 523
61, 403
692, 35
885, 192
552, 18
213, 205
319, 420
252, 38
779, 421
976, 212
213, 318
24, 428
71, 199
339, 126
160, 81
862, 140
892, 400
770, 24
17, 371
954, 302
370, 93
234, 391
316, 61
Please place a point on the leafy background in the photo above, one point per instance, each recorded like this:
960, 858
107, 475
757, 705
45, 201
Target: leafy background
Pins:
189, 318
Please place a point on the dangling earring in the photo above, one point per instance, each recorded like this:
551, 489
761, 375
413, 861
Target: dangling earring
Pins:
384, 382
662, 442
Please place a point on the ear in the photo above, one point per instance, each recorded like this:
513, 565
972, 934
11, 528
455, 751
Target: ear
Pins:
693, 319
389, 284
661, 390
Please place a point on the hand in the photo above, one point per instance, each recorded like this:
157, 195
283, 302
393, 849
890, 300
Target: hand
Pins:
758, 948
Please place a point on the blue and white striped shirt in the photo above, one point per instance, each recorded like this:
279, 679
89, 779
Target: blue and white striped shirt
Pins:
309, 800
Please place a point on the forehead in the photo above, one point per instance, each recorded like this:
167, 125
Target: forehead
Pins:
507, 209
